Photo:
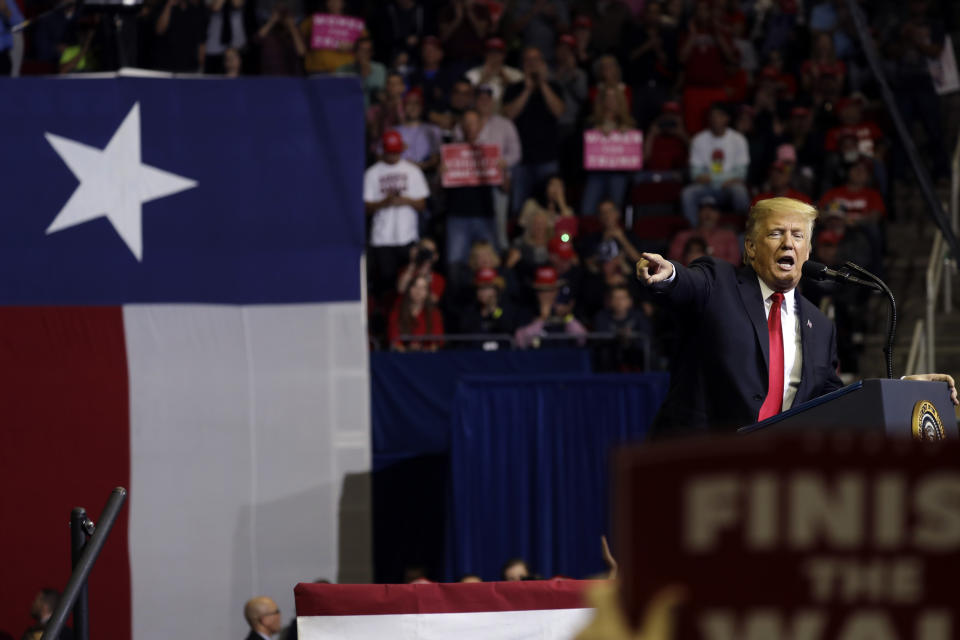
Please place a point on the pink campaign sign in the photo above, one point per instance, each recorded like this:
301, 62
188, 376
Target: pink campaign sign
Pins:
466, 165
332, 31
615, 151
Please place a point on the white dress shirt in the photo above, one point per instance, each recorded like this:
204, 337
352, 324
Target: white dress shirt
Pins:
792, 352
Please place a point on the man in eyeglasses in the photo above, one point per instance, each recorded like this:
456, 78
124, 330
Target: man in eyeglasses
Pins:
263, 616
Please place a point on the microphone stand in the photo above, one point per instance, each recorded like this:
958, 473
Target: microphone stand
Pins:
891, 318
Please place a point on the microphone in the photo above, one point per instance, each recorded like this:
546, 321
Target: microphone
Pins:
819, 271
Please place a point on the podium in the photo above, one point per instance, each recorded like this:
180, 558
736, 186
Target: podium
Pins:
898, 408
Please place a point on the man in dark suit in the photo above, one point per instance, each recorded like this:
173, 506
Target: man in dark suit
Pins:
263, 616
738, 362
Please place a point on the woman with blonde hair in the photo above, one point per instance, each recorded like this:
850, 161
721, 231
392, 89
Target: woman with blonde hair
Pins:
611, 113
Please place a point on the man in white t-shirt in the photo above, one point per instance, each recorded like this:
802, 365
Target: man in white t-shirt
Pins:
719, 159
394, 190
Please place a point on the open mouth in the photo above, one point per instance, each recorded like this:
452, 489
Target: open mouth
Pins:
786, 263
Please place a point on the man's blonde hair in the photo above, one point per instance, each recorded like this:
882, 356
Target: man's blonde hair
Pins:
771, 206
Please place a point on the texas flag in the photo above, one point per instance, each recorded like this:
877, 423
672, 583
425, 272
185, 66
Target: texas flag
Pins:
544, 609
180, 314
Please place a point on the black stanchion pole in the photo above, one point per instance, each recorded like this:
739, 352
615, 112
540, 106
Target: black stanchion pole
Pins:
82, 569
80, 528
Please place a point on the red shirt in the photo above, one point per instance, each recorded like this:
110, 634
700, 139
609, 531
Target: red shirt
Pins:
857, 203
705, 64
417, 328
667, 153
789, 193
866, 134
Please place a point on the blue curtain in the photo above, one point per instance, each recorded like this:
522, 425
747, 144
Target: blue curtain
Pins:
412, 394
529, 467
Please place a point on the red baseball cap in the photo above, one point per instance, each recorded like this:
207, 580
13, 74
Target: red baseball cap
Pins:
392, 142
850, 101
486, 277
770, 73
496, 44
415, 92
583, 22
545, 278
671, 106
568, 40
799, 111
828, 237
830, 69
560, 248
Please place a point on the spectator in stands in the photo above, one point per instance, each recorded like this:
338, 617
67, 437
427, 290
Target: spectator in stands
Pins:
10, 16
461, 99
779, 184
403, 24
609, 76
719, 161
665, 147
389, 113
607, 18
572, 81
415, 315
423, 263
535, 106
394, 190
538, 22
493, 73
501, 132
721, 243
651, 62
610, 114
705, 50
281, 46
41, 609
551, 316
695, 247
563, 258
515, 570
263, 616
435, 79
831, 17
585, 52
850, 114
422, 139
863, 206
555, 198
807, 142
373, 75
465, 26
823, 59
471, 577
529, 250
470, 210
327, 60
612, 240
912, 43
488, 313
225, 30
631, 328
179, 35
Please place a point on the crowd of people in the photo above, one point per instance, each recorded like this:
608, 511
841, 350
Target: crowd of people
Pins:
737, 100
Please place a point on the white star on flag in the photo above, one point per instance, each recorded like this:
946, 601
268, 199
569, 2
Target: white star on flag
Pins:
113, 182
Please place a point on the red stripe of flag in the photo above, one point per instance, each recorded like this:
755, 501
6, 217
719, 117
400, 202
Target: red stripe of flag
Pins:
64, 410
384, 599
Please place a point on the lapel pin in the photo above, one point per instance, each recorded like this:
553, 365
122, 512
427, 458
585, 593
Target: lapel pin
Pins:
809, 325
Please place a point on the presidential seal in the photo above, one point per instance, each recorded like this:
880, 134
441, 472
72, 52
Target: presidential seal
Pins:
926, 424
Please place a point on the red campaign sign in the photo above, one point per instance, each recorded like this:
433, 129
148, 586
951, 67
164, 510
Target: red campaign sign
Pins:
332, 31
615, 151
466, 165
801, 537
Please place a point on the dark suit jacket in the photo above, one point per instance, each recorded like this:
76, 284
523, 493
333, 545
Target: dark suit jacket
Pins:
719, 375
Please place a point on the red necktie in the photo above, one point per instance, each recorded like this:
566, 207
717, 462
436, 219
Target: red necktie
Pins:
774, 400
